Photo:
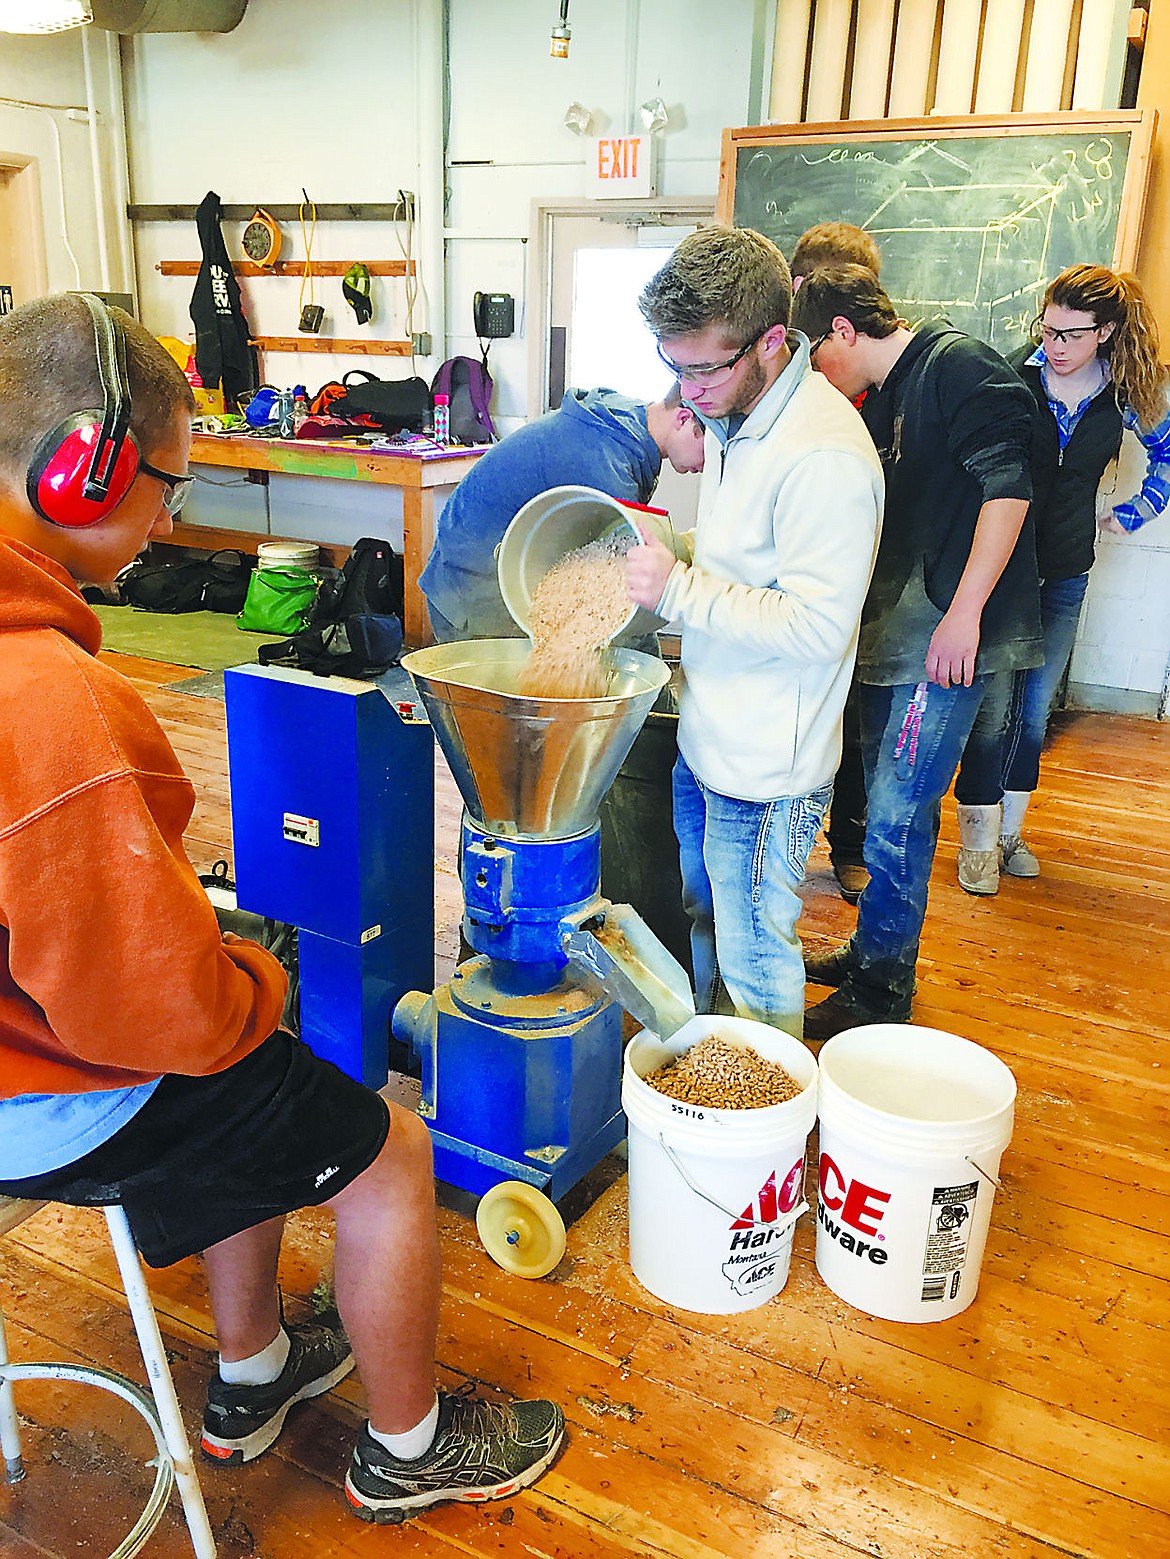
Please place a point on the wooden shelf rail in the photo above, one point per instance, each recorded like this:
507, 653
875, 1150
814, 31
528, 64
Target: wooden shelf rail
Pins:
396, 211
294, 268
357, 347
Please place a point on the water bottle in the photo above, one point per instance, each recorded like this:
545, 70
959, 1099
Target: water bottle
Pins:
284, 413
442, 419
300, 407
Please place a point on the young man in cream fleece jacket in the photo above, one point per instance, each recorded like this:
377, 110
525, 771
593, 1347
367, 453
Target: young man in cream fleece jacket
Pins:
769, 601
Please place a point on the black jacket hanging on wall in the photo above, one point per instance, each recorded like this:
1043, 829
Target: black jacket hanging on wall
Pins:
222, 353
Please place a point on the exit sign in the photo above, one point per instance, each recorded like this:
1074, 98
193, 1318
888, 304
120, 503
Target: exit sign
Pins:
621, 165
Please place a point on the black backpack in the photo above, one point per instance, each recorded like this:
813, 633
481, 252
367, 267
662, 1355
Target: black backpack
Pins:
468, 386
218, 583
396, 405
356, 626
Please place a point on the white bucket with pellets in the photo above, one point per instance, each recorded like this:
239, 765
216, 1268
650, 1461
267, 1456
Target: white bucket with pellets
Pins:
715, 1193
913, 1124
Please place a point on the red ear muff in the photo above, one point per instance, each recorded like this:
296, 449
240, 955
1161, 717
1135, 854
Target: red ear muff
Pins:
60, 471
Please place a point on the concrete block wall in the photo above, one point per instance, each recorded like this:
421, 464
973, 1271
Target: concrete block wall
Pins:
1122, 655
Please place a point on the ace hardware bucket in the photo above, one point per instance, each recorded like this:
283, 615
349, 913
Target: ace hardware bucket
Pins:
913, 1124
715, 1194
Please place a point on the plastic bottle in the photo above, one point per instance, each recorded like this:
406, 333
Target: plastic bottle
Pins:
284, 413
300, 410
442, 419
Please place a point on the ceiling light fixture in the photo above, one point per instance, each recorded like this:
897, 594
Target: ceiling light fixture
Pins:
654, 115
43, 16
578, 119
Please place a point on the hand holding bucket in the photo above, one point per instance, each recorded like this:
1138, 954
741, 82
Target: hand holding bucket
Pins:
649, 565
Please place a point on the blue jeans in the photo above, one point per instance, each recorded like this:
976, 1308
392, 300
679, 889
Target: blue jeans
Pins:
846, 827
1035, 691
912, 739
994, 764
741, 864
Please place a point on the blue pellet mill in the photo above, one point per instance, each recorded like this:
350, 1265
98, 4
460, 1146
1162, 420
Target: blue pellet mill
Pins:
521, 1050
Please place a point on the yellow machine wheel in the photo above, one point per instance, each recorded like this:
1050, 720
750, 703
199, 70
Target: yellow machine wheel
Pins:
521, 1229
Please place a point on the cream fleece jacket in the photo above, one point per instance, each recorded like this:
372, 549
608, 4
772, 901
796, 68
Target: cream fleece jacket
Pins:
781, 557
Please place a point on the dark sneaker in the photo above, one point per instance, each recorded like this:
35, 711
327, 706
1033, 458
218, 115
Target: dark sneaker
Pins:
479, 1452
827, 967
240, 1422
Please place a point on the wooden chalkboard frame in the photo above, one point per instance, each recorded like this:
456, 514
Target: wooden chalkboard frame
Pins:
1137, 124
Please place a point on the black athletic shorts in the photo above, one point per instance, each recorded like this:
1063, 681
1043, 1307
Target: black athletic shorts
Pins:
207, 1157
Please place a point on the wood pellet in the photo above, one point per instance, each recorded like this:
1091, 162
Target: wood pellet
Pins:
719, 1076
576, 609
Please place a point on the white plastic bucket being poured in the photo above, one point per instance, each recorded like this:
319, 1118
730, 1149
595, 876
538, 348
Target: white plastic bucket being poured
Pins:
715, 1194
913, 1124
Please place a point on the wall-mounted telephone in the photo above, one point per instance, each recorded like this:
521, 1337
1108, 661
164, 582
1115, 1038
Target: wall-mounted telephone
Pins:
494, 314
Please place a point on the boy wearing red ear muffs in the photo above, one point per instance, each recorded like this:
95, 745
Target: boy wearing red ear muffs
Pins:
140, 1058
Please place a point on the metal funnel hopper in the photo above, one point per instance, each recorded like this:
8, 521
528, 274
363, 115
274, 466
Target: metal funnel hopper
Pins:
530, 768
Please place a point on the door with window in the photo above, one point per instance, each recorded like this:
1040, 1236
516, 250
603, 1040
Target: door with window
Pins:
596, 336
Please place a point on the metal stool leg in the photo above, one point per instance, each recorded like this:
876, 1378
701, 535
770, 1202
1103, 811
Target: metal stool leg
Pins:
9, 1426
161, 1384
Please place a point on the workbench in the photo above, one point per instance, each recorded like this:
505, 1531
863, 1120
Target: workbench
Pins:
420, 475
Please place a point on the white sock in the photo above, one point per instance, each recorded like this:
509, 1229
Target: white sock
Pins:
412, 1442
260, 1369
1015, 804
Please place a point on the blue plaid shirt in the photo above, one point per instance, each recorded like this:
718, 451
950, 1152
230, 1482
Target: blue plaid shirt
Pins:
1155, 491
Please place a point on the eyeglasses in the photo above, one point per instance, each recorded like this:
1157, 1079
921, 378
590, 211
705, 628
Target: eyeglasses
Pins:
709, 375
1048, 335
817, 345
177, 487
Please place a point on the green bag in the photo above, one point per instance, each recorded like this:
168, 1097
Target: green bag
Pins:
279, 600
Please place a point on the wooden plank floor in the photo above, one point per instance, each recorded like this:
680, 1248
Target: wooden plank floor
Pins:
1038, 1422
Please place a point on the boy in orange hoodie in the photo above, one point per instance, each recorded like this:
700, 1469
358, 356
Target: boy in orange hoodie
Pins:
140, 1058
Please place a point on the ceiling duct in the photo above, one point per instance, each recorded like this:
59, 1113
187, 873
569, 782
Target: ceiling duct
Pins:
133, 16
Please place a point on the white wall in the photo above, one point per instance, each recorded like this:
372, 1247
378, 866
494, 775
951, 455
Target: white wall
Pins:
55, 138
296, 97
508, 144
336, 101
346, 103
1122, 654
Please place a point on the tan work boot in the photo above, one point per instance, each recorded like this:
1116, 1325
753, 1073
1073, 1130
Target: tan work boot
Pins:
851, 880
979, 850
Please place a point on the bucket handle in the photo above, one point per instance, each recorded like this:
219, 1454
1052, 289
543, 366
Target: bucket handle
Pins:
989, 1178
779, 1225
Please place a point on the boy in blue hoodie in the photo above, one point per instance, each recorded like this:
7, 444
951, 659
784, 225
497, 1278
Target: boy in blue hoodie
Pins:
598, 439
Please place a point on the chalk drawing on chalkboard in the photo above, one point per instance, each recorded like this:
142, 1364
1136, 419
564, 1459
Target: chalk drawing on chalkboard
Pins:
969, 228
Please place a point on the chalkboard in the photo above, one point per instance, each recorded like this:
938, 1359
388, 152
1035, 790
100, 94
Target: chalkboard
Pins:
973, 217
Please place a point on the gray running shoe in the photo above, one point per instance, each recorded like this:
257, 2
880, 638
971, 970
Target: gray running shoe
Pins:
479, 1452
240, 1422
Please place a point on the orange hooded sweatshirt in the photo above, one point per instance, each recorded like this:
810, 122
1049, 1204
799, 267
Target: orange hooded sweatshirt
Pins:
112, 967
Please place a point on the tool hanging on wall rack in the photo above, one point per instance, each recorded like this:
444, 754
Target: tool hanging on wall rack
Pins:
355, 288
261, 239
312, 314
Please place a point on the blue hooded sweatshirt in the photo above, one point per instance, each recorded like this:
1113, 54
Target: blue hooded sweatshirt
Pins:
598, 438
